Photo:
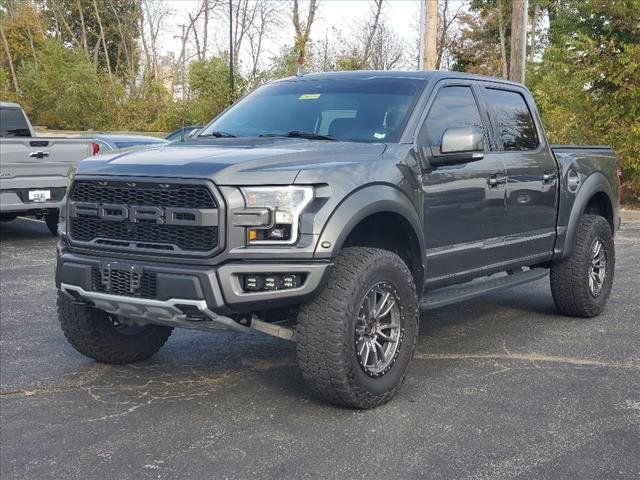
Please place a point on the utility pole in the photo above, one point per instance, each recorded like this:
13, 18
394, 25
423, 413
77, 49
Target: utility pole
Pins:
519, 10
231, 46
429, 29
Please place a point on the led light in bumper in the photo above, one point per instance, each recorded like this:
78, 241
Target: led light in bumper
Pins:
271, 281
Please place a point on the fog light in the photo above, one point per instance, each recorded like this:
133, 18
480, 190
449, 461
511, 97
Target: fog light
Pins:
271, 281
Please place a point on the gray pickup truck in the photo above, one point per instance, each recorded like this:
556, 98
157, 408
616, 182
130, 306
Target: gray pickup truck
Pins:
34, 171
330, 209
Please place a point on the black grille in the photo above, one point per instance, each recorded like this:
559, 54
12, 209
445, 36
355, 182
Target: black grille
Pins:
143, 236
120, 283
138, 193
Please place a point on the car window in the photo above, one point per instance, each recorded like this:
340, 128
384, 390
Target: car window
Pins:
513, 119
366, 110
104, 147
13, 123
453, 107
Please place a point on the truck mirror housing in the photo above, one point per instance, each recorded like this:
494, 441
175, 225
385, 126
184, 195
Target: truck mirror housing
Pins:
459, 140
459, 145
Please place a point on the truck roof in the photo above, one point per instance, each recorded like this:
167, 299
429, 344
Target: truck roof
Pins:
413, 74
9, 105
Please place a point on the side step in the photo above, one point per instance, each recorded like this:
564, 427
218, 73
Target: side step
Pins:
459, 293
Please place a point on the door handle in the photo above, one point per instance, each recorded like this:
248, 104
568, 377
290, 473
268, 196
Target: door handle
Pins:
496, 180
39, 154
548, 177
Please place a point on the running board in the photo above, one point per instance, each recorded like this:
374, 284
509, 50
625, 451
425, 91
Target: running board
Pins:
459, 293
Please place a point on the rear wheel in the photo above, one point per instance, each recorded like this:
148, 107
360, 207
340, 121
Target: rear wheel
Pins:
581, 283
356, 339
51, 219
106, 338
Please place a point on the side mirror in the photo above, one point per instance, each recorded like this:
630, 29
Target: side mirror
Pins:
460, 145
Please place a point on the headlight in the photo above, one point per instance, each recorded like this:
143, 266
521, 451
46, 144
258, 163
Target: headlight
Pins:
71, 172
284, 206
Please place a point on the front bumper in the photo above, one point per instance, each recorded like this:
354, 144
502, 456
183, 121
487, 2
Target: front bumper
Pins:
217, 289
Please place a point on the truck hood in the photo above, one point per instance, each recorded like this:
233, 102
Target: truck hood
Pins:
234, 161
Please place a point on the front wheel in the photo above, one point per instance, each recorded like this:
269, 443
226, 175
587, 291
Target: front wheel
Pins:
581, 283
356, 339
99, 335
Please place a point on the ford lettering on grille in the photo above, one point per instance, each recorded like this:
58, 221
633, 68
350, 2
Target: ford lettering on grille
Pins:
142, 213
143, 216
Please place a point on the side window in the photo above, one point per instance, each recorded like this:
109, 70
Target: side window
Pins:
453, 107
513, 120
103, 146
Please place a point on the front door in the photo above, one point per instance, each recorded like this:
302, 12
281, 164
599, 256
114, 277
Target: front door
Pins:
464, 204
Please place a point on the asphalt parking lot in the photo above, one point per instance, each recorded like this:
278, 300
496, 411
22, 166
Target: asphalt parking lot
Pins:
501, 388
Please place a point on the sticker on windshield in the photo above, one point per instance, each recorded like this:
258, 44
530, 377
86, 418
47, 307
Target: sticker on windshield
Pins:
309, 96
379, 135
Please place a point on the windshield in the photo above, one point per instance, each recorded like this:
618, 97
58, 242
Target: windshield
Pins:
362, 110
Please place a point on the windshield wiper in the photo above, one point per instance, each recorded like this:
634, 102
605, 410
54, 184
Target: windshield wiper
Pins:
218, 134
300, 134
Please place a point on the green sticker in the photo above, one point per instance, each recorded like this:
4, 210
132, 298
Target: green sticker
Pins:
309, 96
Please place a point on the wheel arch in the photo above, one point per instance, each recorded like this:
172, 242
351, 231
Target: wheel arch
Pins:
594, 197
378, 216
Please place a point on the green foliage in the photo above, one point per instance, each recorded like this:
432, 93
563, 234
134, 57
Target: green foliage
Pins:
69, 19
588, 84
61, 90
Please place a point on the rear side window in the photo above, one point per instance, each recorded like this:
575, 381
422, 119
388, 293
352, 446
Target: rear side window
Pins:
13, 123
513, 120
453, 107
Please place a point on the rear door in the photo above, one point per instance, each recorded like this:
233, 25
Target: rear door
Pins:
532, 177
464, 209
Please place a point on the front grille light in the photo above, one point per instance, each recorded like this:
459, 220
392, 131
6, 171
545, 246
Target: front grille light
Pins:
258, 282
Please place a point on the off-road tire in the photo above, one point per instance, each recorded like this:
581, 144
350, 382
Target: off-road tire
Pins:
326, 329
51, 219
91, 332
570, 276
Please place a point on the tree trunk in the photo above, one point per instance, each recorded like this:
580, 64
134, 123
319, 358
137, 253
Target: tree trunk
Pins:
518, 40
104, 42
303, 31
503, 42
83, 36
14, 78
205, 33
372, 32
430, 35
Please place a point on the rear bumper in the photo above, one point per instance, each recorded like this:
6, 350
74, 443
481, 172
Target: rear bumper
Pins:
17, 200
217, 289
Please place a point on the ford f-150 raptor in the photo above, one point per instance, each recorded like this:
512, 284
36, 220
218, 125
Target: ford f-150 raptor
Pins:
330, 209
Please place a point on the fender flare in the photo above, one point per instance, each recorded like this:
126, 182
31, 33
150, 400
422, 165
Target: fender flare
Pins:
595, 183
359, 205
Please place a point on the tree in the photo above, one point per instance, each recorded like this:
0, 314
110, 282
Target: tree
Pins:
62, 90
303, 29
107, 31
588, 83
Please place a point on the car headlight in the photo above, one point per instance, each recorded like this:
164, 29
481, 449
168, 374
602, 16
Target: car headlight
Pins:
71, 172
276, 211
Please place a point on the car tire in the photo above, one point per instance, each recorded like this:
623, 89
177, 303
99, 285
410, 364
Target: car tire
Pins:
52, 219
336, 331
581, 283
97, 335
